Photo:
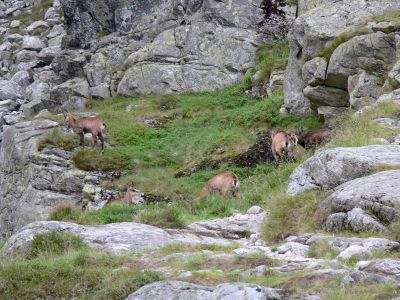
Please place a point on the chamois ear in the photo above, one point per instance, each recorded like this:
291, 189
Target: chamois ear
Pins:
272, 133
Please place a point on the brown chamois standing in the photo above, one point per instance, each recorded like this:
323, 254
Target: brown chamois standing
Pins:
223, 183
316, 137
93, 125
282, 144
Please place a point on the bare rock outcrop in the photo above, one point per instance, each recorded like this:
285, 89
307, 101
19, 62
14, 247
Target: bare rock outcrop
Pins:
330, 168
172, 290
378, 194
356, 66
32, 183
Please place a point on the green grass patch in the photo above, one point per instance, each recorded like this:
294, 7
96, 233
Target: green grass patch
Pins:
108, 214
180, 248
168, 216
292, 215
342, 38
196, 125
55, 139
54, 243
361, 292
79, 274
37, 14
389, 16
356, 131
320, 249
270, 57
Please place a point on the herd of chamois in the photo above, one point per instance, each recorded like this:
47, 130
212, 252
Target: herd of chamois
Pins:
226, 183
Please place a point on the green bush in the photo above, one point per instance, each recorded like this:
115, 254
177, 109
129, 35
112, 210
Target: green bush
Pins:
54, 243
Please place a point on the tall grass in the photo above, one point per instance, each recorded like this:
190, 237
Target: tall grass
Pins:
58, 265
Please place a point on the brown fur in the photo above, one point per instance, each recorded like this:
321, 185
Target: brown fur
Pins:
127, 199
282, 144
315, 137
92, 125
223, 183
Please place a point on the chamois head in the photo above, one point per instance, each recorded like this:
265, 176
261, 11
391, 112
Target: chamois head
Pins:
68, 119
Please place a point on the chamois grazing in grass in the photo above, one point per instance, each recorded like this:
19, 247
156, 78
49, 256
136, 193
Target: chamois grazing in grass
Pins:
313, 138
223, 183
93, 125
282, 144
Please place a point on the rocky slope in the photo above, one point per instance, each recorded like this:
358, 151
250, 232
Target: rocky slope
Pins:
78, 50
75, 50
354, 74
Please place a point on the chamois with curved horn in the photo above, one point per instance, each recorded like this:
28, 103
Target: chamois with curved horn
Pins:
93, 125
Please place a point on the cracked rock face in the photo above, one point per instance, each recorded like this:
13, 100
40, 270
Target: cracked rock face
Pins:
353, 70
168, 46
179, 290
378, 194
117, 238
32, 183
330, 168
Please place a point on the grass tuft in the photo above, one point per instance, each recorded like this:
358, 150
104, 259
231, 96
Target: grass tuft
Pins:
54, 243
82, 274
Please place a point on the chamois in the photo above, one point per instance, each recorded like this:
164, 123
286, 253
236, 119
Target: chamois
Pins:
127, 199
92, 125
223, 183
282, 143
315, 137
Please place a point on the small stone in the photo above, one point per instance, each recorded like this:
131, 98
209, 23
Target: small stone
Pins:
354, 252
15, 23
255, 210
129, 107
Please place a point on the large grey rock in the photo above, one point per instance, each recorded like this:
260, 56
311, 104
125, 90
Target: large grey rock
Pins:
37, 27
394, 75
172, 46
117, 238
330, 168
378, 194
313, 71
381, 266
355, 252
356, 219
22, 78
85, 19
235, 227
326, 96
364, 89
32, 43
367, 278
373, 52
10, 90
295, 248
179, 290
31, 183
69, 95
69, 64
214, 56
315, 29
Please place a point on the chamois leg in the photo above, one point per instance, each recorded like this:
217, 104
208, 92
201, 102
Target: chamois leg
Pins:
100, 135
224, 191
94, 136
82, 140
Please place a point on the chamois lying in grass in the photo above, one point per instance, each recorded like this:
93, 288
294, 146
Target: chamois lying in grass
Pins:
223, 183
282, 144
127, 199
93, 125
313, 138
